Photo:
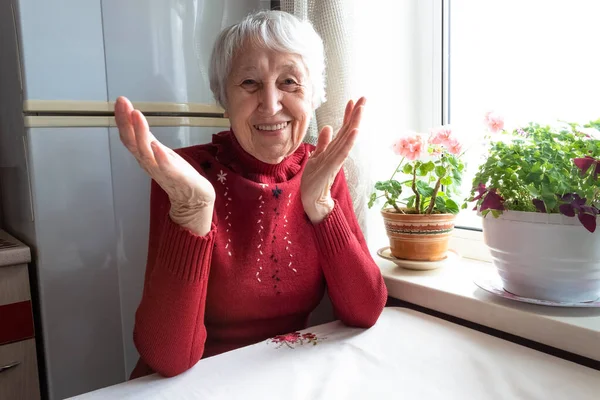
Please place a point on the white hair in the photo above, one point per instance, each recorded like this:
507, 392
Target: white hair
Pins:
275, 30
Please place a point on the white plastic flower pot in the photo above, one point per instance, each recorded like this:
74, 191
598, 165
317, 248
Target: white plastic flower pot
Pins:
544, 256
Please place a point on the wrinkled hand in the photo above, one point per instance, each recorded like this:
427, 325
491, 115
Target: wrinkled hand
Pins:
326, 161
191, 195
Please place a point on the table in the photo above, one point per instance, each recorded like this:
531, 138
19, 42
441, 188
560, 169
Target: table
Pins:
406, 355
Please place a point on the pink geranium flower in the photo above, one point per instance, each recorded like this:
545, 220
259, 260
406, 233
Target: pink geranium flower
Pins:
453, 146
411, 146
494, 122
440, 135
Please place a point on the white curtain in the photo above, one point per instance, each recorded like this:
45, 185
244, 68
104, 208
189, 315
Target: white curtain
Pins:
388, 51
334, 21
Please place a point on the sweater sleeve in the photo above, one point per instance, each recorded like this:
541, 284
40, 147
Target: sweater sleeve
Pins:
354, 282
169, 330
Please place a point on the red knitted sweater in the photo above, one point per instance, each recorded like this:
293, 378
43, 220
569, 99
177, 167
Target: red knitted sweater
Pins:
261, 269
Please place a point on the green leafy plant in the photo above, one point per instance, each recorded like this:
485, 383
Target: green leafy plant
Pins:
430, 172
541, 168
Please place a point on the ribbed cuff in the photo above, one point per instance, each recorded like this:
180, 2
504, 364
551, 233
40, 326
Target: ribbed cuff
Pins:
184, 254
333, 233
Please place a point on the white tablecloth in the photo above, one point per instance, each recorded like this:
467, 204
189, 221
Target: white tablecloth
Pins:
406, 355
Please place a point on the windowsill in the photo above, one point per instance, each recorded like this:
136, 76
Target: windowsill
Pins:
451, 290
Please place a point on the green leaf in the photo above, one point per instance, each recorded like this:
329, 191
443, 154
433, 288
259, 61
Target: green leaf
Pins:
457, 175
534, 177
447, 180
496, 213
534, 191
424, 204
451, 206
408, 169
549, 197
440, 171
424, 189
396, 185
464, 206
440, 204
410, 202
428, 166
425, 168
452, 161
380, 185
372, 199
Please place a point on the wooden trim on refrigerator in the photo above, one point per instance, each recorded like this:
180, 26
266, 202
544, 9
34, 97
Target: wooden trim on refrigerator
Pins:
87, 107
109, 121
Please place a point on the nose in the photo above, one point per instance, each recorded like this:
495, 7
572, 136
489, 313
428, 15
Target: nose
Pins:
269, 99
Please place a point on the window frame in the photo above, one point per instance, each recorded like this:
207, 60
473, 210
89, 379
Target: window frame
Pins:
467, 241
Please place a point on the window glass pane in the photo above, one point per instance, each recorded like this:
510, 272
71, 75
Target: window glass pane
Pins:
525, 59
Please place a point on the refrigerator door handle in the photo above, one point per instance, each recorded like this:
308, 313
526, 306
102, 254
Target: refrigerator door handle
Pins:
18, 44
26, 153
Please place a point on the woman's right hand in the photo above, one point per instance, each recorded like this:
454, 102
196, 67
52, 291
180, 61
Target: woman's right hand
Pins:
191, 195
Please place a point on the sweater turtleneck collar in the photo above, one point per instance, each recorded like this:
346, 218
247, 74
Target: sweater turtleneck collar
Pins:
231, 154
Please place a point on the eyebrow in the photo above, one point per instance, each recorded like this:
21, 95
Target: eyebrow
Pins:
248, 68
289, 67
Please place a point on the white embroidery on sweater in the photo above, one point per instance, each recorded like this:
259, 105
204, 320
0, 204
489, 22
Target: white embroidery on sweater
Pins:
222, 177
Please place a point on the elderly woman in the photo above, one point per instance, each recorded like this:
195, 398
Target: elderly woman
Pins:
247, 232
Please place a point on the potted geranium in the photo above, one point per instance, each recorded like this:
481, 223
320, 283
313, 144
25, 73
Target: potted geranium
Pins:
419, 211
541, 184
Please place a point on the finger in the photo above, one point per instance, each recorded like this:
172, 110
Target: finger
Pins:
354, 123
123, 109
143, 138
356, 118
350, 115
160, 154
165, 157
341, 152
324, 139
335, 158
357, 113
348, 112
361, 102
358, 110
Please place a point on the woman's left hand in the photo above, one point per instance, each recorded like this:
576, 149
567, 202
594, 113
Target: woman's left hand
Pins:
326, 161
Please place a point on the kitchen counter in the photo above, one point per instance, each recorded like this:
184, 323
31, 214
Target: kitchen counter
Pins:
12, 251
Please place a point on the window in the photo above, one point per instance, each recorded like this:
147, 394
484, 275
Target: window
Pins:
528, 60
424, 62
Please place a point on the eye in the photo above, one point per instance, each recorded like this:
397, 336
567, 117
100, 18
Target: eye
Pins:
289, 81
249, 82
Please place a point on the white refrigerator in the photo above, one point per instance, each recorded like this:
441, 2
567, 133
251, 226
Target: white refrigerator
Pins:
69, 188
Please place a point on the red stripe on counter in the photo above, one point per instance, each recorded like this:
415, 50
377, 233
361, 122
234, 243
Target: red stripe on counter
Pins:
16, 322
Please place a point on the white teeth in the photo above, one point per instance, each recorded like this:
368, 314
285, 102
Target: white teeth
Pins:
271, 127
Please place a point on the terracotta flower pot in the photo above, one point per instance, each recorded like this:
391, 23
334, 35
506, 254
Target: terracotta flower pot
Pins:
418, 237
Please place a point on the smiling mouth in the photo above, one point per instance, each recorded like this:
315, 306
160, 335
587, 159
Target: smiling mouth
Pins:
274, 127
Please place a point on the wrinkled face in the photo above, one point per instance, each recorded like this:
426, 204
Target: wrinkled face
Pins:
269, 102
